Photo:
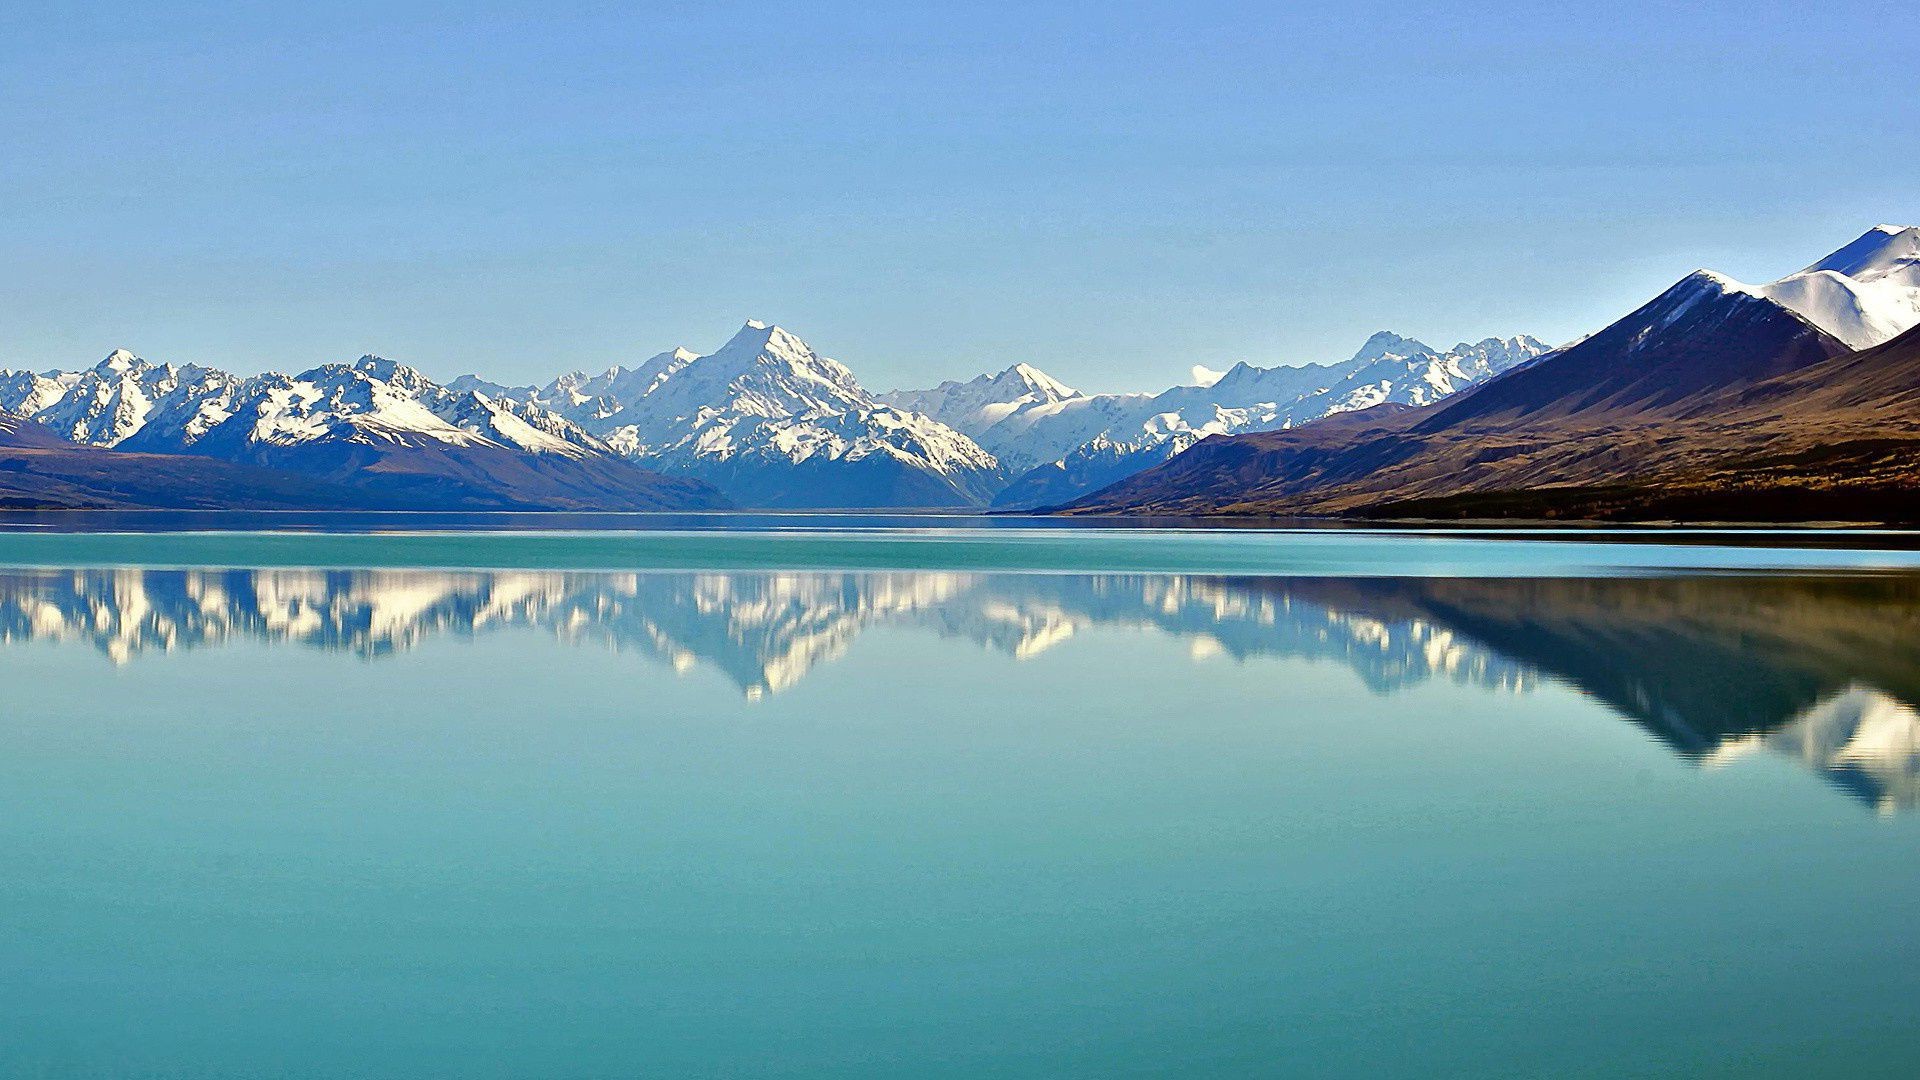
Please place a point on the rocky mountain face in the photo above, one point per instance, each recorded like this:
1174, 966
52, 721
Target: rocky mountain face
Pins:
1714, 401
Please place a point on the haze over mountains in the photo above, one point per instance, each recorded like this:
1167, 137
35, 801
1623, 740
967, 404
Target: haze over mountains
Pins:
1717, 398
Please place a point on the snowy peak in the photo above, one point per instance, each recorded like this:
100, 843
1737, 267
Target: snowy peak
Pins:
120, 362
586, 398
130, 403
767, 371
111, 402
1497, 350
764, 341
761, 371
1881, 251
1386, 343
1035, 381
1864, 294
764, 414
1697, 306
1083, 444
977, 405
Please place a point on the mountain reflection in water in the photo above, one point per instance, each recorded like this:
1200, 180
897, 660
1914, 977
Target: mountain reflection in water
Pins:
1821, 670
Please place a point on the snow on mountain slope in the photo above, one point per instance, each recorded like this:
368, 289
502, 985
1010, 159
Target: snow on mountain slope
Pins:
763, 402
1081, 445
121, 395
375, 421
1864, 294
130, 403
596, 399
29, 394
688, 408
1087, 468
441, 446
774, 423
861, 458
978, 404
372, 401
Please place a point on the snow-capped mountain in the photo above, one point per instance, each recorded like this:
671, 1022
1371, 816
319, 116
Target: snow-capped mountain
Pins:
975, 406
1864, 294
764, 417
1083, 444
123, 395
374, 424
1603, 414
773, 423
375, 401
27, 393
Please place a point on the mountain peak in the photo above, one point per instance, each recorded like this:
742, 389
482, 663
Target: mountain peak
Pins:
1385, 342
1881, 250
1710, 281
757, 336
1026, 375
392, 372
119, 362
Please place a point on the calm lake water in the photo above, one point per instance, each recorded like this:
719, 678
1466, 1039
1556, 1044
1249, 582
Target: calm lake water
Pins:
944, 799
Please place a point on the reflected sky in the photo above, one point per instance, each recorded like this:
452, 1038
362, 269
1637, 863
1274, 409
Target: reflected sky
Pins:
1818, 670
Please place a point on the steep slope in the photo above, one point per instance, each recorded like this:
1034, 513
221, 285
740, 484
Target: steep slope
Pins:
1086, 468
1690, 391
974, 407
1137, 433
124, 395
41, 470
374, 425
1864, 294
380, 425
770, 422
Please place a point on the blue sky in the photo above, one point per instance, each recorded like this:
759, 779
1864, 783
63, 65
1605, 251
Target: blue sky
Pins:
1111, 191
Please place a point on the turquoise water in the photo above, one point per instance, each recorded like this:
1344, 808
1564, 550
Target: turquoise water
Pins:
679, 804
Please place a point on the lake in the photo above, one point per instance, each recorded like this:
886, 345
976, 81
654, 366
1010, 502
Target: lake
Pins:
476, 797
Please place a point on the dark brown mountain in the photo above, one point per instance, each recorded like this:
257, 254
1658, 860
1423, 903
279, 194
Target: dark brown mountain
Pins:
1709, 403
421, 473
39, 469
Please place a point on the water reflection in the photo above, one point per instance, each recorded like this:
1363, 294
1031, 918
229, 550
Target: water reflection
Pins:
1820, 670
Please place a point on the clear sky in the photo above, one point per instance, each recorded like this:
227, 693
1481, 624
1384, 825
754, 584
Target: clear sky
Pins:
1111, 191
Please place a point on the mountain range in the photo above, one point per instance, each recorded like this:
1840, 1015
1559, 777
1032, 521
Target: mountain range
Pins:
1061, 443
1716, 399
763, 421
1794, 401
371, 434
